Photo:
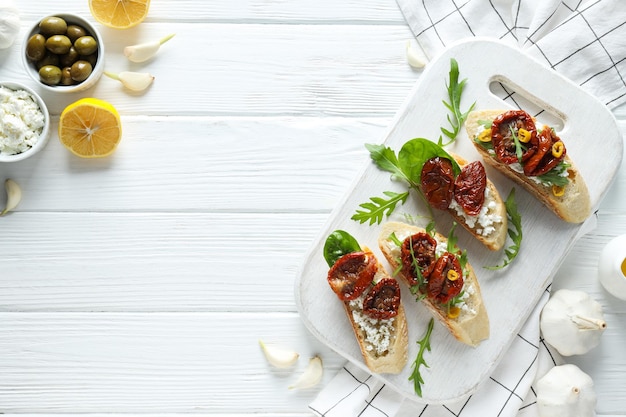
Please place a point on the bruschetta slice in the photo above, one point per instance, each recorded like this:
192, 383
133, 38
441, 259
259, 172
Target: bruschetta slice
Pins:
372, 302
535, 158
439, 275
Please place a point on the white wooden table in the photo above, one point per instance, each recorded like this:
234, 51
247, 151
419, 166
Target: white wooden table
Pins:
141, 283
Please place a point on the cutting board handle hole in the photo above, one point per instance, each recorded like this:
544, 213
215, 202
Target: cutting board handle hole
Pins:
518, 98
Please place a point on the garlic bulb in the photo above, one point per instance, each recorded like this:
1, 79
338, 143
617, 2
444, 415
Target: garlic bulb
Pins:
14, 195
9, 23
311, 376
566, 391
279, 357
144, 51
135, 81
572, 322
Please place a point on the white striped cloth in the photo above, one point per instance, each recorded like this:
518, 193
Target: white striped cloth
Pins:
581, 40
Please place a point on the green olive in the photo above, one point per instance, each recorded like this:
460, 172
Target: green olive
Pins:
86, 45
66, 76
36, 47
74, 32
58, 44
92, 58
52, 25
50, 74
48, 59
80, 70
66, 60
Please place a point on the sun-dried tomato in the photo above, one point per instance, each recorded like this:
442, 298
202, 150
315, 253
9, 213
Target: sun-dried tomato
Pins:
437, 182
418, 252
544, 160
383, 301
502, 130
469, 188
440, 288
352, 274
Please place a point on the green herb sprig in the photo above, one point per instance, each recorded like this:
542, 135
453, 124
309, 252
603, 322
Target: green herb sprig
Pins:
375, 210
424, 343
514, 232
456, 118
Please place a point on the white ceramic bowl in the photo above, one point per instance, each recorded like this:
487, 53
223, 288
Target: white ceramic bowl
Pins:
97, 69
45, 132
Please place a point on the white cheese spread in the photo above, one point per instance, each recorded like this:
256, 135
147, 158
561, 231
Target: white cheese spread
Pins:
483, 222
21, 121
377, 333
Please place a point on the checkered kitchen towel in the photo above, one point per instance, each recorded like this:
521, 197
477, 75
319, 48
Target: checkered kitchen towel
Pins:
354, 392
581, 40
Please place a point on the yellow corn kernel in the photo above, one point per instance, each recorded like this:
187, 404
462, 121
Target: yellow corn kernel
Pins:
557, 149
452, 275
485, 136
524, 135
558, 190
454, 312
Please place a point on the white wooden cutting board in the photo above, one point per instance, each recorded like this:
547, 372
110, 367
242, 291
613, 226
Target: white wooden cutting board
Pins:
594, 143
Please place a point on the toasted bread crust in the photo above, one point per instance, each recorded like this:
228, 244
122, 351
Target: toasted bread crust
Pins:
395, 356
574, 206
472, 325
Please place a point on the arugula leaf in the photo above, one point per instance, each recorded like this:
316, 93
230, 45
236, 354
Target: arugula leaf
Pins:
455, 91
424, 343
337, 244
452, 240
430, 228
519, 149
378, 207
514, 232
385, 159
485, 123
554, 177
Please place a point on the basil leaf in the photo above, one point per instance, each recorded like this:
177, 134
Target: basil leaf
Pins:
414, 154
337, 244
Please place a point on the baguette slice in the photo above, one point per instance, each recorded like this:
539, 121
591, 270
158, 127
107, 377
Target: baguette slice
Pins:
574, 206
493, 236
472, 324
369, 332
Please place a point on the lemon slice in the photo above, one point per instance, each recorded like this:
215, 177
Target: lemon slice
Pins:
90, 128
119, 14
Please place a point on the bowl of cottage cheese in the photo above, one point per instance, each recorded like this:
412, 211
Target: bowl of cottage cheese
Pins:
24, 122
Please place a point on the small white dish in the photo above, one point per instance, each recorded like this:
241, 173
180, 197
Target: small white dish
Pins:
45, 132
97, 70
612, 267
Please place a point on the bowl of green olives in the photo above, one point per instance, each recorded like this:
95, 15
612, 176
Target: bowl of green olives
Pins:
64, 53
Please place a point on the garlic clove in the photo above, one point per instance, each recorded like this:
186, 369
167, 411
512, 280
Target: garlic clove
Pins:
144, 51
311, 376
415, 58
135, 81
10, 23
14, 195
279, 357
